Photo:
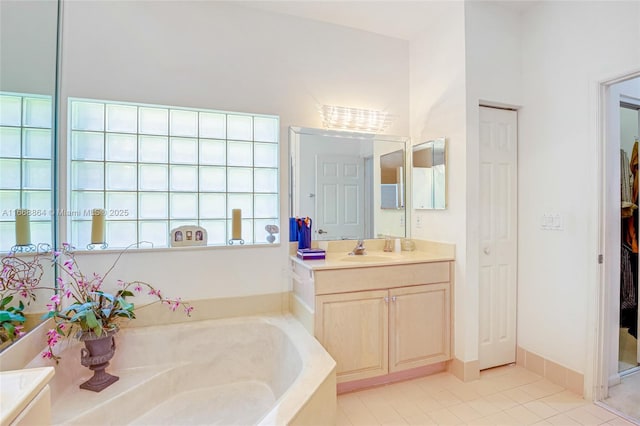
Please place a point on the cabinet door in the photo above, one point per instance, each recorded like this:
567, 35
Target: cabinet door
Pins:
353, 328
419, 326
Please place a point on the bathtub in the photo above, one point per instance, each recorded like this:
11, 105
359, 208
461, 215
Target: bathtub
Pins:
253, 370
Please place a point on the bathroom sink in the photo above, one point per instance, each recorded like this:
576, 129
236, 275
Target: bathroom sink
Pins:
366, 258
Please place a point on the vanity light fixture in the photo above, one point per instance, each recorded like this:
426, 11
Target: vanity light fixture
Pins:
356, 119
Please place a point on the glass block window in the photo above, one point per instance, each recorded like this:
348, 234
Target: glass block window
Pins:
25, 165
154, 168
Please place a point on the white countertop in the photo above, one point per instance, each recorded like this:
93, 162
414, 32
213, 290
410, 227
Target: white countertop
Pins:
338, 258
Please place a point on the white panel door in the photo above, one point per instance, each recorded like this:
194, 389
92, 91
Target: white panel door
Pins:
498, 236
340, 197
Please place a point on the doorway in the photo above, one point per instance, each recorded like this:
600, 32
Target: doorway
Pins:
617, 382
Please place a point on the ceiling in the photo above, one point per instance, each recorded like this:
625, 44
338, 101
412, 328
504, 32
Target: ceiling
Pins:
393, 18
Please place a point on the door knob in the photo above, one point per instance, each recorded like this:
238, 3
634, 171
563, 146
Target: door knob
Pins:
486, 250
321, 231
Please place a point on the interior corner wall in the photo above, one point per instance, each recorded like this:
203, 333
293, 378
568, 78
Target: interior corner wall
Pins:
437, 108
568, 48
494, 77
225, 56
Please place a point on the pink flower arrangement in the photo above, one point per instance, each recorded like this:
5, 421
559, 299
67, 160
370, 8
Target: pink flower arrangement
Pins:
80, 304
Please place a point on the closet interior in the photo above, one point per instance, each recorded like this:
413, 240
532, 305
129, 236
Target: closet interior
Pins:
629, 353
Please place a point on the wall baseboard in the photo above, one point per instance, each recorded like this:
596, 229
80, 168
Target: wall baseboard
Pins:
398, 376
465, 371
614, 379
555, 373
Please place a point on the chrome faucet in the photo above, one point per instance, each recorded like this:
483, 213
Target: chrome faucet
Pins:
358, 249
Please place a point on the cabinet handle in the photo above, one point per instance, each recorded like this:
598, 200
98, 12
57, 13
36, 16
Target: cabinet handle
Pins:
393, 298
386, 299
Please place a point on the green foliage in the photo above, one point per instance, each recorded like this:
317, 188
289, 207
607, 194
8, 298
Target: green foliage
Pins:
11, 319
19, 278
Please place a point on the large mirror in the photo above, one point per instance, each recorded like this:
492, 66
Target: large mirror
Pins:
337, 180
28, 87
429, 176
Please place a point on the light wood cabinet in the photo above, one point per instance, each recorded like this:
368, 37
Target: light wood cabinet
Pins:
419, 326
377, 321
373, 333
354, 329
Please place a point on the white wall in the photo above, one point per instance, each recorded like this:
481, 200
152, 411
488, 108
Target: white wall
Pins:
629, 121
567, 48
223, 56
437, 102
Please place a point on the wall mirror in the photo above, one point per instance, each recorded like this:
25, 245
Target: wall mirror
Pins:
429, 175
336, 178
28, 63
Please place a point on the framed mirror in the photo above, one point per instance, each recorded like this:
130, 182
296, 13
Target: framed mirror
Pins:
336, 179
28, 99
429, 175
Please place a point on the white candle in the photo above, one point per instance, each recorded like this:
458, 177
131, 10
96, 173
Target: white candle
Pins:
236, 224
97, 226
23, 228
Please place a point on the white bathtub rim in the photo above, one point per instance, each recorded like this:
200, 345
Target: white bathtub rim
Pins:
317, 366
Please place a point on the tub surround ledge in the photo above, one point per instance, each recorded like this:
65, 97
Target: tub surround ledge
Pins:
24, 396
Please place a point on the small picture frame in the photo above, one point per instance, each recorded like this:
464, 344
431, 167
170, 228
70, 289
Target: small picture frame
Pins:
186, 236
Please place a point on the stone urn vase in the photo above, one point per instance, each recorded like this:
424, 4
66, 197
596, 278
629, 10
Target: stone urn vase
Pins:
96, 354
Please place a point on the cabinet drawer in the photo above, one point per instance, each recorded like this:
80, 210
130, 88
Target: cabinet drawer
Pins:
380, 277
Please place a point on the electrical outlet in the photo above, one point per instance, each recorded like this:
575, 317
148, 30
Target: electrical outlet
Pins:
418, 221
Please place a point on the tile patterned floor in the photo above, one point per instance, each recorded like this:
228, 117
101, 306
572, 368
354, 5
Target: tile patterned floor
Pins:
507, 395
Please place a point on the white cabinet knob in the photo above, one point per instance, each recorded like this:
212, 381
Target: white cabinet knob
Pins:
486, 250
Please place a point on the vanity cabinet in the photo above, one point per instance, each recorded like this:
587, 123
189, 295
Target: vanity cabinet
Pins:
419, 326
378, 320
354, 329
373, 333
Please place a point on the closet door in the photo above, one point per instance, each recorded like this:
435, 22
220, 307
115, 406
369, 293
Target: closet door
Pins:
498, 236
